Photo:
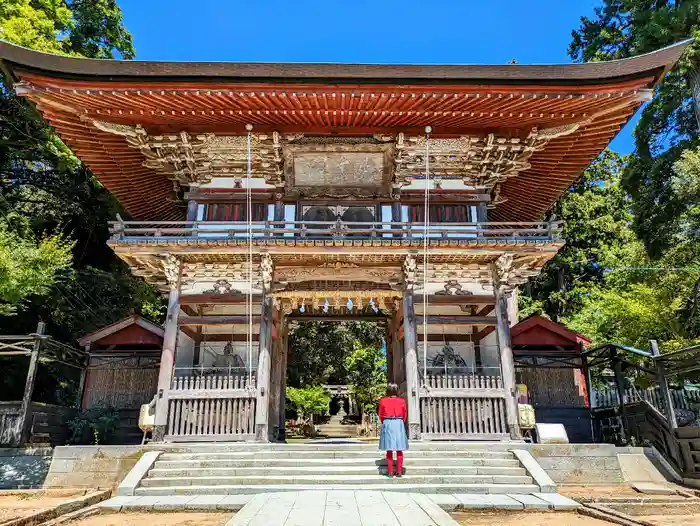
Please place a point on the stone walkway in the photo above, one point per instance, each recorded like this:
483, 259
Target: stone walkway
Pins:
342, 508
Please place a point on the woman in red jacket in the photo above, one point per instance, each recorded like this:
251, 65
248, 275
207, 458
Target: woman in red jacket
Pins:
392, 437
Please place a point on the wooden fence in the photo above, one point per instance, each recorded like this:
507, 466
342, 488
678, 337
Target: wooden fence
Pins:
25, 421
463, 406
212, 408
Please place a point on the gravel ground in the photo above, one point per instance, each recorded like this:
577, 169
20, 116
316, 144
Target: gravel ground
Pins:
23, 504
527, 519
155, 519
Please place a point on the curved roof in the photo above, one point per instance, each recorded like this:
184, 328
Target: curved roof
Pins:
335, 99
655, 62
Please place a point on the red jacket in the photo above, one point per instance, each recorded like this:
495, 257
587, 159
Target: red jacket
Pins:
392, 406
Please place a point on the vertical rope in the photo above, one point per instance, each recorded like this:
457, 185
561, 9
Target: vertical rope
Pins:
426, 230
249, 233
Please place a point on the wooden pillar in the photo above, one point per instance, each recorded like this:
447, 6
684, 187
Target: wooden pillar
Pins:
481, 213
283, 384
663, 385
389, 348
262, 406
279, 211
276, 380
172, 267
25, 414
396, 216
502, 291
411, 363
620, 386
192, 208
513, 307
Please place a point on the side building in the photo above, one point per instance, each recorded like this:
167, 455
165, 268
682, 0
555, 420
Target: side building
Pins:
260, 195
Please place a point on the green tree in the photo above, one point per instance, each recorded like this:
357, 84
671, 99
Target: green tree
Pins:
318, 350
42, 182
29, 267
596, 227
667, 127
366, 367
309, 401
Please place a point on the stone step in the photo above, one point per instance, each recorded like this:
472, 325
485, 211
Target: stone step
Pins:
387, 485
502, 447
336, 469
275, 463
365, 480
333, 453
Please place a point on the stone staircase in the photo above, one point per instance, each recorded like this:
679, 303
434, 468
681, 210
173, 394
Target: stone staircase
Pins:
236, 469
335, 428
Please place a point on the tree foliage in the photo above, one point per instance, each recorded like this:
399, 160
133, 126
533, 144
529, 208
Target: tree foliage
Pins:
49, 200
667, 127
28, 267
630, 269
309, 401
366, 367
596, 228
318, 350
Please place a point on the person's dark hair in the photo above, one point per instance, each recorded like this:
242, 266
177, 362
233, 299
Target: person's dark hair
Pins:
392, 390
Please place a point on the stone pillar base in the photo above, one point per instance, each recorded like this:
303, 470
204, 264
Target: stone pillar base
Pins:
261, 433
158, 434
414, 431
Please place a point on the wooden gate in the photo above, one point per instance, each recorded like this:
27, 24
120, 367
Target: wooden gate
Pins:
463, 407
211, 408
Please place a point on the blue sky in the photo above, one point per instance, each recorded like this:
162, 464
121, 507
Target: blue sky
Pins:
410, 31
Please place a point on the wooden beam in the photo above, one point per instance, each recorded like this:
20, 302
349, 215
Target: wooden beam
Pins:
455, 299
483, 333
461, 337
211, 298
485, 310
190, 311
206, 338
217, 320
458, 320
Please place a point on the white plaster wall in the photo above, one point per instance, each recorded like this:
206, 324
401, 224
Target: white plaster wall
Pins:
184, 354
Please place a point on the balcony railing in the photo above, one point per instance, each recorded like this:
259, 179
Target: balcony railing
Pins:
261, 230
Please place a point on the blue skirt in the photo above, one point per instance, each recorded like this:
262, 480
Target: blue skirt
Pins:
392, 435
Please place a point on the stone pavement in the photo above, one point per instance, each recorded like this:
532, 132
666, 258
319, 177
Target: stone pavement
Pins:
341, 508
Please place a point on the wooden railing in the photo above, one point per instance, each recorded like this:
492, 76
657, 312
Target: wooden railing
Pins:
215, 407
463, 407
645, 425
682, 398
688, 439
261, 230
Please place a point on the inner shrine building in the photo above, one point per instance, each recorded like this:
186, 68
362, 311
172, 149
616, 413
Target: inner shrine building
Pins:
257, 196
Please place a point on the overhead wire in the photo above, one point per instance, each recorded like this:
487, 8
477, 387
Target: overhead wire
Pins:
426, 231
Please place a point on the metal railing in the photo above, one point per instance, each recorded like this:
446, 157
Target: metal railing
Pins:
261, 230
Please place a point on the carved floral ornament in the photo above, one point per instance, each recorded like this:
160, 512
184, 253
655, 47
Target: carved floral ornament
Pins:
172, 267
508, 272
480, 161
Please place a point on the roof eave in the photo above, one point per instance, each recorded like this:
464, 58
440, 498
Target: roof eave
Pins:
18, 59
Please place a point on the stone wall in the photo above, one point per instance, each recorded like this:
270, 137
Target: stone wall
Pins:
22, 468
100, 467
582, 463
